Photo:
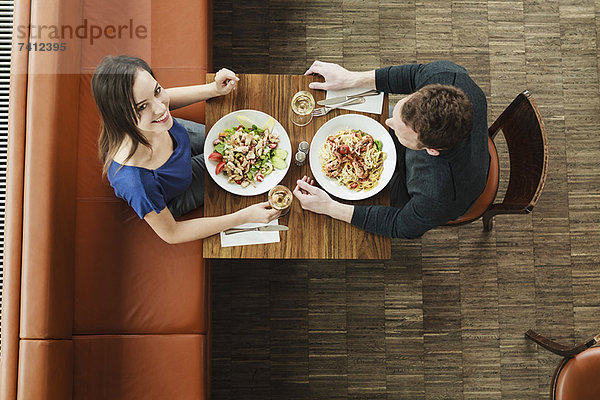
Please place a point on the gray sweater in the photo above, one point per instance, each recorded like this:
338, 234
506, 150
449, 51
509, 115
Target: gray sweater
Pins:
441, 188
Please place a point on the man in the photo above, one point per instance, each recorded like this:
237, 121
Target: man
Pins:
440, 132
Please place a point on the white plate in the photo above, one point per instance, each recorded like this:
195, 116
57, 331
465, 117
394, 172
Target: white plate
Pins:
230, 120
367, 125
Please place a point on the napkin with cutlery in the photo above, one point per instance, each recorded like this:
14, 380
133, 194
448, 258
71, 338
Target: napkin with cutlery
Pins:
250, 237
372, 104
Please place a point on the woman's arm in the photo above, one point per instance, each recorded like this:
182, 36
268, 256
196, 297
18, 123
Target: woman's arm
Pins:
225, 81
172, 231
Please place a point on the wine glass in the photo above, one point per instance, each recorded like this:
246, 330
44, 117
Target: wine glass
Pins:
280, 198
303, 104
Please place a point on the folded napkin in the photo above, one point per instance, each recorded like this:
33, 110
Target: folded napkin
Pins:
252, 237
372, 104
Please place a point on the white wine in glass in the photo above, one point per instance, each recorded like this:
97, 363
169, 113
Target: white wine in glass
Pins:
303, 104
280, 198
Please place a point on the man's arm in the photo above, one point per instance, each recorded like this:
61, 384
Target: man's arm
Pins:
338, 77
417, 216
398, 79
408, 78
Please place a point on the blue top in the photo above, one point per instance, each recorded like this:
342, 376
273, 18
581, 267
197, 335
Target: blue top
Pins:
149, 190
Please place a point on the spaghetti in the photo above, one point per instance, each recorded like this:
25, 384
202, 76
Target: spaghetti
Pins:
353, 158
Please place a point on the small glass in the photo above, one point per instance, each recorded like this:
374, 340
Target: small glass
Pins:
303, 104
280, 198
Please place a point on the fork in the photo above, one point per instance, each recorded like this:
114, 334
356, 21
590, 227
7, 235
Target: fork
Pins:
325, 109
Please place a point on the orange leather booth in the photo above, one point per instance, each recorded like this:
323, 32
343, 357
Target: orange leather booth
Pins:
95, 305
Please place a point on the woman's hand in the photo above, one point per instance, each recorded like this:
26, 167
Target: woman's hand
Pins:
260, 213
225, 81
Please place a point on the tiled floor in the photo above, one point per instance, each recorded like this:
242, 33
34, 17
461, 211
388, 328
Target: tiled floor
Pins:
445, 317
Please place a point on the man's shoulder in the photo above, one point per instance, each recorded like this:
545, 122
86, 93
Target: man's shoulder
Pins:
449, 73
443, 72
441, 66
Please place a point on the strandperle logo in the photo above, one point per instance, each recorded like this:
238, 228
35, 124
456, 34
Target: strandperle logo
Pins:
83, 31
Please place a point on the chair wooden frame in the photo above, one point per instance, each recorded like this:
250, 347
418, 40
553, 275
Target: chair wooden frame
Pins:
525, 133
526, 179
567, 352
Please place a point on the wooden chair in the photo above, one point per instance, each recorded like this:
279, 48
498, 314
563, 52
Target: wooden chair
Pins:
577, 376
522, 126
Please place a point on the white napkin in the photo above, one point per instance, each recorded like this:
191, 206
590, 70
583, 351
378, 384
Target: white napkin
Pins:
372, 104
252, 237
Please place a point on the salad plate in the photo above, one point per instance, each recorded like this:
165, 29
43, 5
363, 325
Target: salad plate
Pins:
247, 163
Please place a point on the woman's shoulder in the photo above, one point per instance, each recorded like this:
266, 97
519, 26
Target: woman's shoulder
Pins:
123, 150
137, 187
119, 174
130, 181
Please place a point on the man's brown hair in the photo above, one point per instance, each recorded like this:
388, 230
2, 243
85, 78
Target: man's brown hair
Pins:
441, 115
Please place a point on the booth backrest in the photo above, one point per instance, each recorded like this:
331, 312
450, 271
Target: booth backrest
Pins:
95, 305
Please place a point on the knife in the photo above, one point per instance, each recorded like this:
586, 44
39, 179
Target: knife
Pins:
257, 228
335, 100
351, 102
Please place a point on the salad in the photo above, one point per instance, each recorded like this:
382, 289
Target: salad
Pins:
247, 154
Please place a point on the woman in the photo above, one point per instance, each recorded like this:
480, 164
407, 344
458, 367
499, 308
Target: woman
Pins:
153, 161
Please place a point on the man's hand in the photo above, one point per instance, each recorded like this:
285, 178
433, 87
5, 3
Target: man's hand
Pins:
338, 77
311, 198
314, 199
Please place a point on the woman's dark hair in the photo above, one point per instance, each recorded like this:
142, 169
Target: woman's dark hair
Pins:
112, 87
441, 115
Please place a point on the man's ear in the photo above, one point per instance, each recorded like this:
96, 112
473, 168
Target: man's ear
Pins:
433, 152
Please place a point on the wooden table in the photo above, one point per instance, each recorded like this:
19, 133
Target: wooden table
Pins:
311, 236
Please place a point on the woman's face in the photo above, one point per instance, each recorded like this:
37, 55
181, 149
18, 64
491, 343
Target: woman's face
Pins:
151, 104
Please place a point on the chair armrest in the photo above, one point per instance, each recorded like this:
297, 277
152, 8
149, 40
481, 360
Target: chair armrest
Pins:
558, 348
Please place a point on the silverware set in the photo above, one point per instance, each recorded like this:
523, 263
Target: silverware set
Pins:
336, 100
343, 101
324, 110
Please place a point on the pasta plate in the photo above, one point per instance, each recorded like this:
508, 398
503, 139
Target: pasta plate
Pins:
367, 125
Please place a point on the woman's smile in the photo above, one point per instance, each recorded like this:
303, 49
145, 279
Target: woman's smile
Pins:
162, 118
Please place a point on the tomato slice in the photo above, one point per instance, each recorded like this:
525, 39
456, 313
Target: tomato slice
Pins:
218, 157
220, 167
353, 185
344, 149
